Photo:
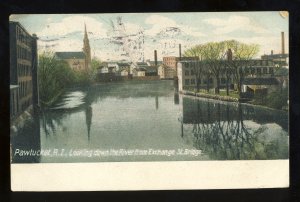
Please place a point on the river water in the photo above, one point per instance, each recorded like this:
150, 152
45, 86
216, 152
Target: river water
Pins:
149, 121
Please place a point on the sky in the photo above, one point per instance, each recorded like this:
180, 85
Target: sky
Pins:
135, 36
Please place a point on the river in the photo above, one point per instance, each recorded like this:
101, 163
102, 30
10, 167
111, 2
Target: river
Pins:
149, 121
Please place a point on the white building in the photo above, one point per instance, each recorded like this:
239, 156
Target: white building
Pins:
166, 72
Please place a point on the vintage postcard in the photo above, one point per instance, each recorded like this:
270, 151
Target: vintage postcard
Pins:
149, 101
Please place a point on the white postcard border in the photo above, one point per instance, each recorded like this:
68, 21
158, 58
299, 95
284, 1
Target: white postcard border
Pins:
150, 175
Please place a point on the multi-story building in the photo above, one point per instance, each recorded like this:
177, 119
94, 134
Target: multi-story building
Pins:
23, 69
187, 76
279, 59
263, 69
168, 70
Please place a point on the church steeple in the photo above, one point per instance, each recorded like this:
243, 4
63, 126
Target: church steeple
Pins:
87, 49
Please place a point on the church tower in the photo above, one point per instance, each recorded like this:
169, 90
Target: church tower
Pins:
87, 50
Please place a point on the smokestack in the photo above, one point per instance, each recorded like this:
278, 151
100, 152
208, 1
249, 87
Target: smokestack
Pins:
229, 55
179, 51
271, 52
282, 43
155, 57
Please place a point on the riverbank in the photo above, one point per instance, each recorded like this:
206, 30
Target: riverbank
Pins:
228, 99
18, 122
210, 96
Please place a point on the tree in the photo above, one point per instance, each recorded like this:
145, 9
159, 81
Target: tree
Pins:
241, 62
214, 54
53, 77
198, 68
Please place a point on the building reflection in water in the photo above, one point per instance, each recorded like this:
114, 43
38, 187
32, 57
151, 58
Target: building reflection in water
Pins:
88, 119
234, 131
26, 139
176, 98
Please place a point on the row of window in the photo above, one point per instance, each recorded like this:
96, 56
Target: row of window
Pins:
25, 88
23, 53
204, 81
26, 104
23, 37
259, 70
169, 59
252, 70
13, 104
24, 70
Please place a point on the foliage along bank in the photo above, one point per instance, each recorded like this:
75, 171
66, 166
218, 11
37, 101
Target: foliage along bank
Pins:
55, 76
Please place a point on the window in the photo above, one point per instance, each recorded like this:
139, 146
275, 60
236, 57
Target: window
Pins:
192, 72
192, 81
271, 70
252, 70
187, 72
258, 70
199, 81
187, 82
210, 80
223, 80
265, 71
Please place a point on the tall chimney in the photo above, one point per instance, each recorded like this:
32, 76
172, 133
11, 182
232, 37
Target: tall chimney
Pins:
229, 55
179, 51
155, 57
282, 43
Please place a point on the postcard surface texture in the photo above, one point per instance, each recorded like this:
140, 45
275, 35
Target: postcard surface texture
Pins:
149, 101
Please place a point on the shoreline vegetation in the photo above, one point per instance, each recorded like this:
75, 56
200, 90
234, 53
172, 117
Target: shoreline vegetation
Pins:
55, 77
276, 100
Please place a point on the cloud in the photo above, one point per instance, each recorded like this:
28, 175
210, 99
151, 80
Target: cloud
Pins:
160, 23
73, 24
234, 23
61, 45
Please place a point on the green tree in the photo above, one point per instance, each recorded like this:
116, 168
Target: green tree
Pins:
242, 55
214, 54
200, 69
53, 77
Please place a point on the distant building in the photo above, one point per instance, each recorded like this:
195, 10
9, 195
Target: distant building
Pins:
23, 69
152, 63
169, 67
281, 59
187, 77
263, 69
151, 71
80, 60
139, 72
253, 84
118, 67
166, 72
75, 60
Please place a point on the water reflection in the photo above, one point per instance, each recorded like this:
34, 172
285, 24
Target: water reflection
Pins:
88, 119
123, 116
26, 142
234, 131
